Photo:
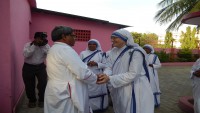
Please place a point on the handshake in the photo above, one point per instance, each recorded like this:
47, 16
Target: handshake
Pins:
102, 78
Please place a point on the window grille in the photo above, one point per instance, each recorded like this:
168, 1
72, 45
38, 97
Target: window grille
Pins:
82, 35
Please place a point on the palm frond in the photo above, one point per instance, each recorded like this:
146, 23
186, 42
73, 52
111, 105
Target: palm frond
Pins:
164, 3
174, 10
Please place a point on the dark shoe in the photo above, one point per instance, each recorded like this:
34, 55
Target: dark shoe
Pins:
31, 104
41, 104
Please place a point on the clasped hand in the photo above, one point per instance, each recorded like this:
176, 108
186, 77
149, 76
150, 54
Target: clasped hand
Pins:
197, 73
92, 63
151, 65
102, 78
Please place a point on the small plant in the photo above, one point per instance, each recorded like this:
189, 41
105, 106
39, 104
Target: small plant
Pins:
163, 56
185, 55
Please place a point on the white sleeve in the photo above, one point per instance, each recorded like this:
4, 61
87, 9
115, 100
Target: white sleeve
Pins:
46, 48
81, 55
108, 69
195, 67
157, 64
135, 70
28, 50
102, 62
77, 67
101, 65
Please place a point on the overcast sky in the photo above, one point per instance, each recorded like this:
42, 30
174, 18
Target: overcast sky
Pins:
137, 13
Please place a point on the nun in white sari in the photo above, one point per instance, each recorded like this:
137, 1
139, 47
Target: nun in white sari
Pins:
93, 57
195, 76
128, 81
154, 64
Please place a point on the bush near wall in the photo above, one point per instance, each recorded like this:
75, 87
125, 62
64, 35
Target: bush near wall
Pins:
185, 55
196, 56
163, 56
178, 55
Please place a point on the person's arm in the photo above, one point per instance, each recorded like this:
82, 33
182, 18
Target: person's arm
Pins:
108, 69
77, 67
96, 61
81, 55
197, 73
157, 63
28, 49
195, 67
45, 48
135, 70
101, 64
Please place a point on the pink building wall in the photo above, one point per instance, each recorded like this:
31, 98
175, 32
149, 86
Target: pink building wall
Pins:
18, 25
5, 82
99, 30
14, 32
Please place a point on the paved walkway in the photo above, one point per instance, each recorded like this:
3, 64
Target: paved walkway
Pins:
174, 83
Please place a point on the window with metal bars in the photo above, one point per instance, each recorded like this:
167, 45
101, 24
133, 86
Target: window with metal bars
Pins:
82, 35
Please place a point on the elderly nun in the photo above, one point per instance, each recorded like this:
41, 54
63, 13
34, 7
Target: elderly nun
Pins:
154, 64
93, 57
128, 78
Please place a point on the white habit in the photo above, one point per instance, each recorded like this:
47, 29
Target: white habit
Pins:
68, 79
128, 81
196, 86
154, 60
97, 93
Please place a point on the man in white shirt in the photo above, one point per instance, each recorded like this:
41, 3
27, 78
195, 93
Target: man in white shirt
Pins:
34, 56
68, 76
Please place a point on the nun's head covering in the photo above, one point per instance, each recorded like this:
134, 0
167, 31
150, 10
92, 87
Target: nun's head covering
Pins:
149, 47
124, 35
97, 43
127, 37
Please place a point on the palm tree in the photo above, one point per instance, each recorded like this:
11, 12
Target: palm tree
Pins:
174, 10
